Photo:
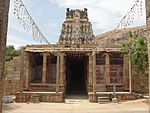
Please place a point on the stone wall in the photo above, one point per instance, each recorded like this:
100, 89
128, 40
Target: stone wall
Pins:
93, 97
12, 83
43, 97
140, 84
11, 87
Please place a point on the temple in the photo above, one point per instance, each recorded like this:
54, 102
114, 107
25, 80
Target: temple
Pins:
80, 63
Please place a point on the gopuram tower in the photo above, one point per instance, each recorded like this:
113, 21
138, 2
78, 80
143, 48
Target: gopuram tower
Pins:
76, 29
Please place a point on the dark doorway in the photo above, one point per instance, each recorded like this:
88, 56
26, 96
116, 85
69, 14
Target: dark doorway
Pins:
76, 74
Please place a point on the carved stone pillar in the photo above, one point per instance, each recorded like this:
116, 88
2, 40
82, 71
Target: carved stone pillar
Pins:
44, 70
26, 71
94, 73
130, 77
107, 68
57, 72
126, 73
90, 70
62, 68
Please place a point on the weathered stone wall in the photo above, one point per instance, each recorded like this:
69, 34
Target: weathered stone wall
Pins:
11, 87
140, 84
12, 81
4, 9
93, 97
43, 97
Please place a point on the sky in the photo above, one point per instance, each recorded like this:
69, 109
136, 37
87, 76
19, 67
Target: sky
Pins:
49, 16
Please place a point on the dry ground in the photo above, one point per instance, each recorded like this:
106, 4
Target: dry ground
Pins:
78, 106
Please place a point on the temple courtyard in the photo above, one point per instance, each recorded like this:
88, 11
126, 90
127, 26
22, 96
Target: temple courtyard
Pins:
81, 105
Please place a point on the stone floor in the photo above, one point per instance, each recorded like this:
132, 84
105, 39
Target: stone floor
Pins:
80, 105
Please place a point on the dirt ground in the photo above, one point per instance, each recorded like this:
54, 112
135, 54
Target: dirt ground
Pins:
78, 106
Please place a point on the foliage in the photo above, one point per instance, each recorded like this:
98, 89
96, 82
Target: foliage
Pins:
11, 52
8, 69
136, 50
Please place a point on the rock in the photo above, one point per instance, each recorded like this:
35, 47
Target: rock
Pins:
115, 100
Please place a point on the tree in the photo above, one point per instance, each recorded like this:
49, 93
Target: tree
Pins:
11, 52
136, 50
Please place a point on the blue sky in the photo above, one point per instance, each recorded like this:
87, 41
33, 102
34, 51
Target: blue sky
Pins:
50, 14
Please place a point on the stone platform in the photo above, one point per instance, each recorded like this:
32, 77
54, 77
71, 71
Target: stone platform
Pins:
43, 96
93, 97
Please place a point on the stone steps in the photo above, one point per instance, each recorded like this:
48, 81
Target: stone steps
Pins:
119, 88
103, 100
35, 98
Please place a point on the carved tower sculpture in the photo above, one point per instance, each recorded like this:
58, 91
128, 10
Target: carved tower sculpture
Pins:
76, 29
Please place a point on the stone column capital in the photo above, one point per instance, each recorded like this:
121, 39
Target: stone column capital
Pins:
89, 54
45, 54
62, 54
107, 54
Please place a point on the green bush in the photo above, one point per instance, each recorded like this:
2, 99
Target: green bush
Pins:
11, 52
136, 50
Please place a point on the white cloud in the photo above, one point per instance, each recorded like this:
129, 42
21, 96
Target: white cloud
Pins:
19, 40
104, 14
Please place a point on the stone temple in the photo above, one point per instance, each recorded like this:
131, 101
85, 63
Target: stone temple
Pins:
75, 66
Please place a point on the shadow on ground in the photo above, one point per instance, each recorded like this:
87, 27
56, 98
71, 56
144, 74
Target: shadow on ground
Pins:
10, 107
79, 96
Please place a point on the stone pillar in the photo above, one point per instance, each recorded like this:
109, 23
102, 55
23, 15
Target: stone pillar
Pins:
44, 70
90, 70
107, 64
26, 71
62, 68
94, 72
57, 72
22, 69
4, 9
130, 77
126, 73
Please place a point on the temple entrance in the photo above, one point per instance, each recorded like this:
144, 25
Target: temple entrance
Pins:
76, 74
